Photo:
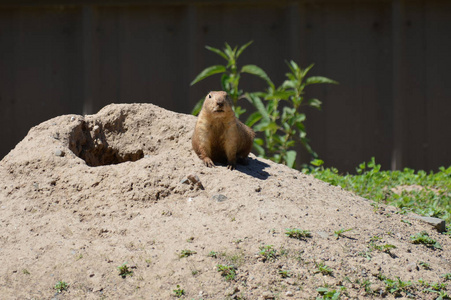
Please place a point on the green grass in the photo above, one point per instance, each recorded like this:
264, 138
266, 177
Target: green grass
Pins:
326, 293
178, 292
284, 273
186, 253
339, 233
423, 238
323, 269
61, 286
297, 233
124, 270
268, 252
429, 193
227, 271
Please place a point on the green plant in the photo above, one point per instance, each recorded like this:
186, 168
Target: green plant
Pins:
419, 192
386, 248
61, 286
213, 254
396, 286
366, 284
231, 74
280, 119
442, 295
407, 222
179, 292
186, 253
299, 234
268, 252
447, 276
424, 265
124, 270
326, 293
339, 233
323, 269
227, 271
432, 287
25, 271
284, 273
423, 238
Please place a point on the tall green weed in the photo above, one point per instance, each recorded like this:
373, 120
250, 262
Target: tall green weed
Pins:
278, 114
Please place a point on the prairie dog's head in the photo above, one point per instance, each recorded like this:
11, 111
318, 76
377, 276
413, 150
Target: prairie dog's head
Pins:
218, 103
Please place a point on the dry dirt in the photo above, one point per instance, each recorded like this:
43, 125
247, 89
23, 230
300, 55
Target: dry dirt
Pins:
82, 195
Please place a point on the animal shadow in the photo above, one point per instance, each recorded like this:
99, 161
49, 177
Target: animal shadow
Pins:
254, 168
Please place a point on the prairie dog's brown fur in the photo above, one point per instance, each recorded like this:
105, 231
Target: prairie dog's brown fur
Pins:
219, 136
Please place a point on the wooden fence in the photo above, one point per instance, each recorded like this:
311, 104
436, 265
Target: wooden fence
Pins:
391, 58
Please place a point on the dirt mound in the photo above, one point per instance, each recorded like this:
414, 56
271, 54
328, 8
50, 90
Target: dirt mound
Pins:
82, 196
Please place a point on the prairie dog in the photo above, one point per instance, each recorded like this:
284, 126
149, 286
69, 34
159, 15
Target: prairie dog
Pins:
219, 136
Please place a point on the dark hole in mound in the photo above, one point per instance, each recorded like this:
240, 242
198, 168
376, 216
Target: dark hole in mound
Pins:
90, 143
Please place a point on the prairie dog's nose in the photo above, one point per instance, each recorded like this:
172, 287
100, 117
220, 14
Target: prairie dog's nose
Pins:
220, 102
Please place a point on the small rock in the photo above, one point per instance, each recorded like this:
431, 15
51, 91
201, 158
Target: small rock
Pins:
185, 181
438, 224
59, 153
193, 178
323, 234
412, 266
232, 290
219, 198
96, 129
268, 295
196, 181
289, 294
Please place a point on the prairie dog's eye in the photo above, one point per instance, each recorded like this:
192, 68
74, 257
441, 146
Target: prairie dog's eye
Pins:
209, 95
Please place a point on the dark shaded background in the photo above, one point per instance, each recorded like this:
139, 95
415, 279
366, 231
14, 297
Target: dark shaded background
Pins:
392, 59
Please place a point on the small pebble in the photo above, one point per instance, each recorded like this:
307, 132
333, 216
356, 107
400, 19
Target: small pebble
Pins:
196, 181
59, 152
267, 295
185, 181
96, 129
219, 198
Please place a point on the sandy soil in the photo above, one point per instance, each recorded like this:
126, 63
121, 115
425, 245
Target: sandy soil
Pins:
81, 196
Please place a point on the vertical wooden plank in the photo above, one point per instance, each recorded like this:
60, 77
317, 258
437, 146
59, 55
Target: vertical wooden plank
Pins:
414, 82
142, 56
190, 41
89, 59
373, 68
314, 51
438, 88
350, 43
44, 59
398, 21
8, 134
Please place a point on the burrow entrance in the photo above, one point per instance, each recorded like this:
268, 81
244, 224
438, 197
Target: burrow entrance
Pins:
103, 144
